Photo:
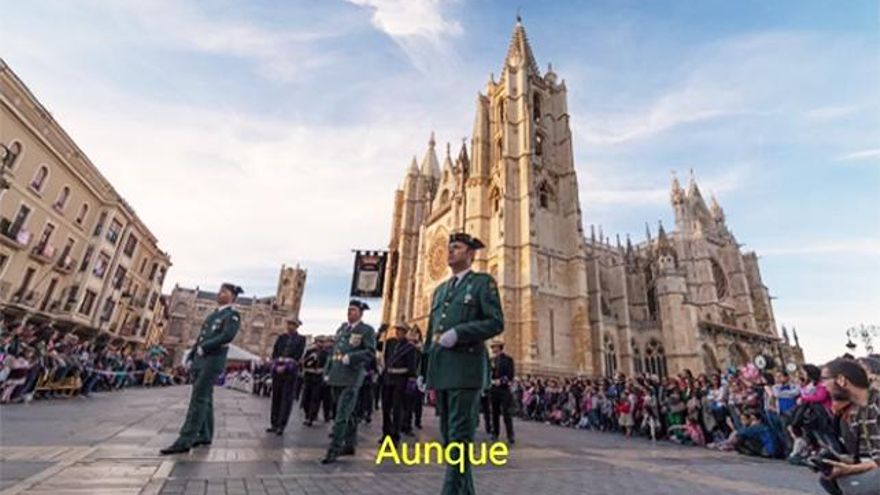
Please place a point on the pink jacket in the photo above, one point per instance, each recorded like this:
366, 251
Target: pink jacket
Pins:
816, 394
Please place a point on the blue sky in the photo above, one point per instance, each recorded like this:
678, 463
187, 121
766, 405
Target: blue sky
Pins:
250, 134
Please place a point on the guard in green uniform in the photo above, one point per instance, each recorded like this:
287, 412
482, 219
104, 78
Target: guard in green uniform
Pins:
465, 313
354, 350
208, 356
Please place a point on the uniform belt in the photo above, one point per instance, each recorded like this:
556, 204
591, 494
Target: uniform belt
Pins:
284, 359
314, 372
398, 371
498, 382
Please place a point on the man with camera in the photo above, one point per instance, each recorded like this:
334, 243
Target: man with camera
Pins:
857, 423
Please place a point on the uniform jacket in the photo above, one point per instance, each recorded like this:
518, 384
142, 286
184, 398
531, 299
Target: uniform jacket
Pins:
502, 370
400, 361
359, 344
218, 330
473, 309
289, 346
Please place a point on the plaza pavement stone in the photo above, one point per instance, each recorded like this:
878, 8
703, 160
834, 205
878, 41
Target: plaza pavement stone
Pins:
109, 443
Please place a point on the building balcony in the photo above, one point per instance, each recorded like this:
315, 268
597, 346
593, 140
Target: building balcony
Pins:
16, 238
65, 265
43, 253
26, 297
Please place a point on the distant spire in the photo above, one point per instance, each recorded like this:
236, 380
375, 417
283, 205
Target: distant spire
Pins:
430, 166
794, 334
677, 193
413, 167
693, 189
619, 245
647, 231
715, 208
785, 335
593, 233
447, 162
520, 50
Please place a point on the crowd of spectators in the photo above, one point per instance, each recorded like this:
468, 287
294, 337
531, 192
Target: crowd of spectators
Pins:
37, 361
770, 414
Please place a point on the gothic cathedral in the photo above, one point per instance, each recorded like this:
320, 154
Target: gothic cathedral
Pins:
573, 303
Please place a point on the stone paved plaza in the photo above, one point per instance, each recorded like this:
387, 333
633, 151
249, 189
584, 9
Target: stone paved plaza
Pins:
109, 444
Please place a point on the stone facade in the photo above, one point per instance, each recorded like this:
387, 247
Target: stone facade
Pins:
72, 251
262, 318
573, 303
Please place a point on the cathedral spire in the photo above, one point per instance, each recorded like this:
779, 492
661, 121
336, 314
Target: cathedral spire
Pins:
447, 162
519, 53
693, 189
430, 165
677, 193
413, 167
715, 208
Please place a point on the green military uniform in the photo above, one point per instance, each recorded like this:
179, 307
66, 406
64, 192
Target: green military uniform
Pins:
217, 332
460, 373
358, 342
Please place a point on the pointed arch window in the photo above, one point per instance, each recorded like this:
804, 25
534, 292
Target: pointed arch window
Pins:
655, 359
637, 358
536, 108
546, 197
495, 198
499, 150
39, 179
539, 144
444, 197
720, 280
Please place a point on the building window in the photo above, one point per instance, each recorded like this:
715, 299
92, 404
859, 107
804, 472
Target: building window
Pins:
65, 261
118, 277
154, 298
637, 358
12, 154
545, 195
114, 231
536, 108
143, 265
610, 357
720, 280
39, 179
655, 359
444, 197
61, 202
87, 303
100, 225
539, 144
83, 211
107, 310
101, 265
130, 245
87, 258
153, 271
3, 259
43, 248
15, 229
495, 197
25, 283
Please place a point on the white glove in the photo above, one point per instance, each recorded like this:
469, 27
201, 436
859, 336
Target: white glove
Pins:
420, 383
345, 360
449, 338
200, 351
326, 378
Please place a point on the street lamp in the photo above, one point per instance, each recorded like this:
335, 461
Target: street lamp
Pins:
865, 333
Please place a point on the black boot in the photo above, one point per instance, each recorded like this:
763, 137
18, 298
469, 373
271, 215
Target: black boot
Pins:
330, 458
174, 449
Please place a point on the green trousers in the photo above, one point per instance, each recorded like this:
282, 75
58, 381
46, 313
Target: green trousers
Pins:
459, 415
345, 423
199, 423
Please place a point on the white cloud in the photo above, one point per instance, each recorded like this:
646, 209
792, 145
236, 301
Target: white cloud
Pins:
829, 113
420, 28
869, 154
285, 55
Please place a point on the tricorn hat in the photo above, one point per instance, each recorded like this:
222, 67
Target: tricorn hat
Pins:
234, 289
359, 304
466, 239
